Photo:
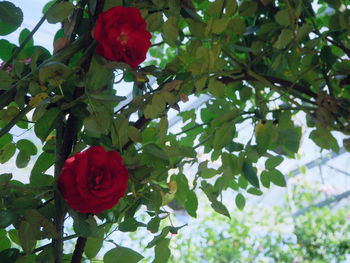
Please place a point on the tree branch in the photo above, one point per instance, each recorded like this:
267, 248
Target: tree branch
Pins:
282, 82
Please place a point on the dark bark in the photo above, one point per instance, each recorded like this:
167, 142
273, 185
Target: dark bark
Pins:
79, 250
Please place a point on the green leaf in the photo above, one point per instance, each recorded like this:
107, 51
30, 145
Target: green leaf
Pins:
99, 76
200, 84
250, 174
130, 225
215, 8
220, 208
5, 243
23, 35
84, 227
240, 201
222, 118
22, 159
44, 162
134, 134
46, 123
159, 237
6, 152
254, 191
162, 251
191, 204
155, 151
94, 244
111, 3
324, 139
154, 21
263, 136
171, 30
122, 254
26, 146
13, 234
158, 3
224, 135
208, 173
282, 17
6, 49
197, 28
99, 120
284, 38
248, 8
47, 255
265, 179
106, 97
156, 199
5, 80
219, 25
11, 17
304, 30
290, 139
237, 25
53, 72
9, 255
273, 162
26, 236
58, 12
277, 178
242, 182
119, 131
182, 188
40, 222
231, 7
163, 129
7, 217
5, 178
153, 224
48, 5
346, 143
217, 88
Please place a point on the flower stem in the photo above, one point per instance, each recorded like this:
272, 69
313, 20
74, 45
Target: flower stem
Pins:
79, 249
59, 214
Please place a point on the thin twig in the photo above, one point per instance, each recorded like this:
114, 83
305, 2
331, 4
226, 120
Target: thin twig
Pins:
14, 121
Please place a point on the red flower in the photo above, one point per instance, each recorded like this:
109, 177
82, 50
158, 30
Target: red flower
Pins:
122, 36
93, 180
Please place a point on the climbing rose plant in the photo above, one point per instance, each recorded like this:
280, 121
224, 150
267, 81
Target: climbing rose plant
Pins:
102, 163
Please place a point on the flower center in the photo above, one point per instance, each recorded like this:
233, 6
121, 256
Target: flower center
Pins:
98, 179
123, 38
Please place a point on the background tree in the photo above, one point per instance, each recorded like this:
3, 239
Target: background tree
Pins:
260, 62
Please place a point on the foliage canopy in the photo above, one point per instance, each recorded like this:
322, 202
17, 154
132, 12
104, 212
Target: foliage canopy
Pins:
260, 62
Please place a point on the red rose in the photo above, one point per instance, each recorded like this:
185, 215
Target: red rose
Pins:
122, 36
93, 180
